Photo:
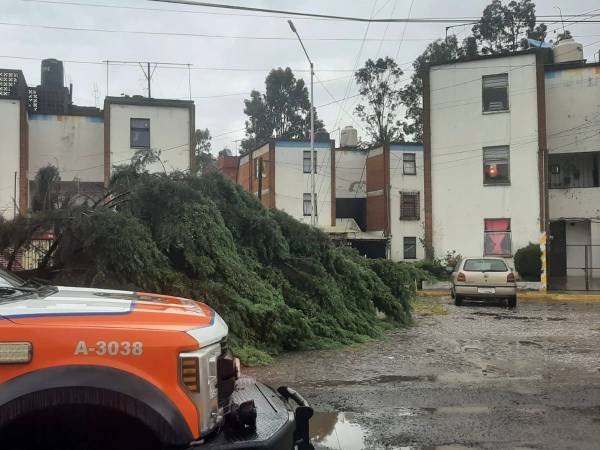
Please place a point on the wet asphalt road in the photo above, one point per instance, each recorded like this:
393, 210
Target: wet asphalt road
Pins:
482, 376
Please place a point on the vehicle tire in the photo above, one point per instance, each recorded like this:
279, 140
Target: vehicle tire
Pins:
458, 300
512, 301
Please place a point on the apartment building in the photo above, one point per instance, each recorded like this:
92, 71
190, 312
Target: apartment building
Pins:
41, 126
279, 174
370, 199
511, 157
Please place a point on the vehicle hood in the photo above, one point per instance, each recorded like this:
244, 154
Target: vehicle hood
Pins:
81, 307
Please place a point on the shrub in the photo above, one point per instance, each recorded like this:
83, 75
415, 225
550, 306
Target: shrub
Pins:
528, 262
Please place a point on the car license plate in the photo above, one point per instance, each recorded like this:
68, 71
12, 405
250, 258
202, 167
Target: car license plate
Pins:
486, 290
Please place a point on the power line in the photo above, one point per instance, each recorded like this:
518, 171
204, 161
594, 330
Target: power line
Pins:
169, 65
328, 16
299, 16
195, 35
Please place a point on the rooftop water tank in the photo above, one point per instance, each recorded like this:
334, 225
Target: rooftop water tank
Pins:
568, 50
52, 73
348, 137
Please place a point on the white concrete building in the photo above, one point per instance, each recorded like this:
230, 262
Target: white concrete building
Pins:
278, 172
511, 157
369, 199
40, 126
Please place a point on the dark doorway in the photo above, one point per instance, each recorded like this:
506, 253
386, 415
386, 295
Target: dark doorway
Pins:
557, 254
370, 249
352, 208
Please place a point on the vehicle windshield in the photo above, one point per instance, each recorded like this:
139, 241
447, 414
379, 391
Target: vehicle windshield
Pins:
7, 279
485, 265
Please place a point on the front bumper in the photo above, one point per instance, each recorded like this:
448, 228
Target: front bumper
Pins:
278, 425
472, 291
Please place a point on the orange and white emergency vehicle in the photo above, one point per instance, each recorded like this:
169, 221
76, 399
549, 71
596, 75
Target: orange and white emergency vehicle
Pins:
162, 360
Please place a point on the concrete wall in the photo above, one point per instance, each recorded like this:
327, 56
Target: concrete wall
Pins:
74, 144
459, 131
291, 182
573, 110
405, 183
595, 239
10, 111
169, 133
266, 185
578, 234
573, 119
350, 176
583, 203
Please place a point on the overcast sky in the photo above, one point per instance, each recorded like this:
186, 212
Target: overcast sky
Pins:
223, 115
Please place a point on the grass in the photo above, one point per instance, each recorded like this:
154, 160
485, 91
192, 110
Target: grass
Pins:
429, 306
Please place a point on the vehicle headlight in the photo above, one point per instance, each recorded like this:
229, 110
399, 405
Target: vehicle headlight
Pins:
198, 374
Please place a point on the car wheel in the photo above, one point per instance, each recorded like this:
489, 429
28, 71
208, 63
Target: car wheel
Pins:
458, 300
512, 302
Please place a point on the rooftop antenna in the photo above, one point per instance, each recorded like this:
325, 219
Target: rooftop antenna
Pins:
561, 18
149, 74
96, 94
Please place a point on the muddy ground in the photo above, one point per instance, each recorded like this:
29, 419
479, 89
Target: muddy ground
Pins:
480, 376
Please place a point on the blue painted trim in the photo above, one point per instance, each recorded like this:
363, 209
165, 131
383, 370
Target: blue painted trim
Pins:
54, 118
406, 148
305, 145
35, 316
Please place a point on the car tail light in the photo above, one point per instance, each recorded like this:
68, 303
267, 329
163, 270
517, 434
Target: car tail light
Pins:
461, 277
15, 352
510, 278
190, 374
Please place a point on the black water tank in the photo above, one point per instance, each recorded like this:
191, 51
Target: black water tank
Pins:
52, 73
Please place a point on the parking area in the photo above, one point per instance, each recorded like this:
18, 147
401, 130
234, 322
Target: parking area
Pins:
476, 376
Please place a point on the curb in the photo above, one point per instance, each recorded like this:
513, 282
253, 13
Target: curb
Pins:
529, 295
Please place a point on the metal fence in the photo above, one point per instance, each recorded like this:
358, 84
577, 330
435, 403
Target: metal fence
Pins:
29, 257
581, 264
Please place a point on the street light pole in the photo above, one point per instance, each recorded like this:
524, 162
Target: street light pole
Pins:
313, 200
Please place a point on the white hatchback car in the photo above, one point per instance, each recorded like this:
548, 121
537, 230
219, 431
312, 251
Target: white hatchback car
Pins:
483, 278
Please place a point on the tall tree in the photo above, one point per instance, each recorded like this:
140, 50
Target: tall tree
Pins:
505, 28
204, 158
379, 84
46, 195
437, 52
283, 110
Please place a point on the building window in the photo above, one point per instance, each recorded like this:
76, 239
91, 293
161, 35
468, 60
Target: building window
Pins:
497, 237
306, 161
409, 206
306, 206
410, 247
139, 133
496, 165
495, 93
409, 162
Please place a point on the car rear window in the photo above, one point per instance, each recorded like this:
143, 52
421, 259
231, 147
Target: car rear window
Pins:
485, 265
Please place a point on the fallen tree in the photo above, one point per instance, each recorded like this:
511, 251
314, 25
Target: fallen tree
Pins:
279, 284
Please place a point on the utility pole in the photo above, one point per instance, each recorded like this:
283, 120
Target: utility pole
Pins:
260, 178
313, 201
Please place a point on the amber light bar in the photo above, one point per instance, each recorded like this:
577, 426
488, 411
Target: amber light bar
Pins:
15, 352
190, 374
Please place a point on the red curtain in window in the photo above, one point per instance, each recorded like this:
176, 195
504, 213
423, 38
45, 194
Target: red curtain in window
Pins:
497, 224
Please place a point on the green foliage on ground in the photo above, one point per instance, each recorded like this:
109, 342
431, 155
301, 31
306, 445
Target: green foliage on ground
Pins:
528, 262
279, 284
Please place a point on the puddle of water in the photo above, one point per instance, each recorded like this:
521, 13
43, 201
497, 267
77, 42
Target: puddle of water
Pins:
382, 379
462, 410
336, 431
